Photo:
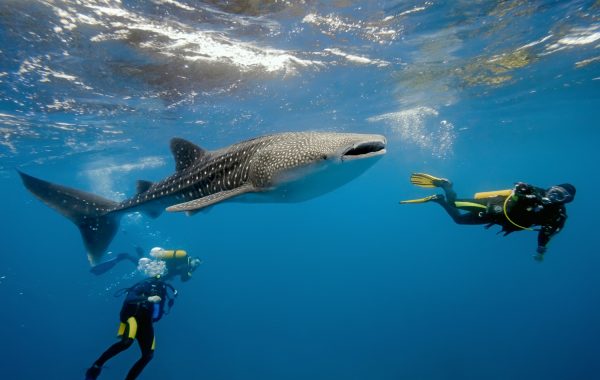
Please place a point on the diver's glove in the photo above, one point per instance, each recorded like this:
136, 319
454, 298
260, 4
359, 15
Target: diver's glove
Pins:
539, 256
154, 299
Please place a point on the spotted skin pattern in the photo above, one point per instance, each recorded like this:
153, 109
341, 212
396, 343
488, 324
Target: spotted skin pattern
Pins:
203, 178
257, 162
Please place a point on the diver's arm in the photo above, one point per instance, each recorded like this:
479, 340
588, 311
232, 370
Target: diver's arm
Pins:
548, 230
192, 265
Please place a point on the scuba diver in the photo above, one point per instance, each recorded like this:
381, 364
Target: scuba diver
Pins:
178, 262
143, 305
514, 209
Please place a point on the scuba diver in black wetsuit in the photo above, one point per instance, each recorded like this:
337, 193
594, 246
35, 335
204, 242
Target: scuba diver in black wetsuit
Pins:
514, 209
178, 262
144, 305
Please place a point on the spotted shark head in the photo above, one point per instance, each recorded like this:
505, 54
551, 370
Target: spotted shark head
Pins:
301, 156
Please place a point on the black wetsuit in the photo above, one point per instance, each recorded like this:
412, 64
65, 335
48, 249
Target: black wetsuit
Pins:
137, 317
181, 267
525, 209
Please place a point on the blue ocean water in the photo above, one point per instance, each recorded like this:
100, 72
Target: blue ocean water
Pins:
349, 285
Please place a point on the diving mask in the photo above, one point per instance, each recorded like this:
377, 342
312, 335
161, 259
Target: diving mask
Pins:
558, 194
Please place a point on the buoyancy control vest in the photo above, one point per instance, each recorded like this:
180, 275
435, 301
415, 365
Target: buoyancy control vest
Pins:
137, 300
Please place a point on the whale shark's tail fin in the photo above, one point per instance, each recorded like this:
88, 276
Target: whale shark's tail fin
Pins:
90, 213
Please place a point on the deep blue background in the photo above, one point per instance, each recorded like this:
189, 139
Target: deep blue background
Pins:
350, 285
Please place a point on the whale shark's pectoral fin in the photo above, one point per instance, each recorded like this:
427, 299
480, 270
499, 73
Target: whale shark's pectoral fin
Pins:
209, 200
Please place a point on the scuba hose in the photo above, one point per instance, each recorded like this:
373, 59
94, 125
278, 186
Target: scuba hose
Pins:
506, 213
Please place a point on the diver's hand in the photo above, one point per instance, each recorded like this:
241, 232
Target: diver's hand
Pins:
154, 299
521, 188
539, 256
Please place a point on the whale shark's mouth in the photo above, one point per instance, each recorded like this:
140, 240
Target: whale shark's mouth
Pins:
364, 150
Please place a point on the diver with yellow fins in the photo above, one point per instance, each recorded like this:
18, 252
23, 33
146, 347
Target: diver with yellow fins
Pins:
516, 209
146, 302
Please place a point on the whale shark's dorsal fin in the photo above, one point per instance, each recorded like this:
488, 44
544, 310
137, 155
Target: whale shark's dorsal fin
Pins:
185, 153
142, 186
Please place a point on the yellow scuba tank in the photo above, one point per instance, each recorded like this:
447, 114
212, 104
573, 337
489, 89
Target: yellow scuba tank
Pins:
167, 254
494, 193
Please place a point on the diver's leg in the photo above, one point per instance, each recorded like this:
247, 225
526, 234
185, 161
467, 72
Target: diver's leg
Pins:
114, 350
446, 185
430, 181
469, 217
145, 339
127, 331
94, 371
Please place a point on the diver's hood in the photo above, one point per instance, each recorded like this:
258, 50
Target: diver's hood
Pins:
563, 193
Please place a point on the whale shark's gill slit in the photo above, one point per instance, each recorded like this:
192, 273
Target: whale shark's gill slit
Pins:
366, 148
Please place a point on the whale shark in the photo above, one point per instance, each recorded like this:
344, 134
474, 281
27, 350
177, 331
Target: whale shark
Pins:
283, 167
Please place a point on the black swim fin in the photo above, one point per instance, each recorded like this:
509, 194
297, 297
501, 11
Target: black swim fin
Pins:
107, 265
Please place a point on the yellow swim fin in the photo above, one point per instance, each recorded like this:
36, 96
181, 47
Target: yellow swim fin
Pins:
423, 200
427, 180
